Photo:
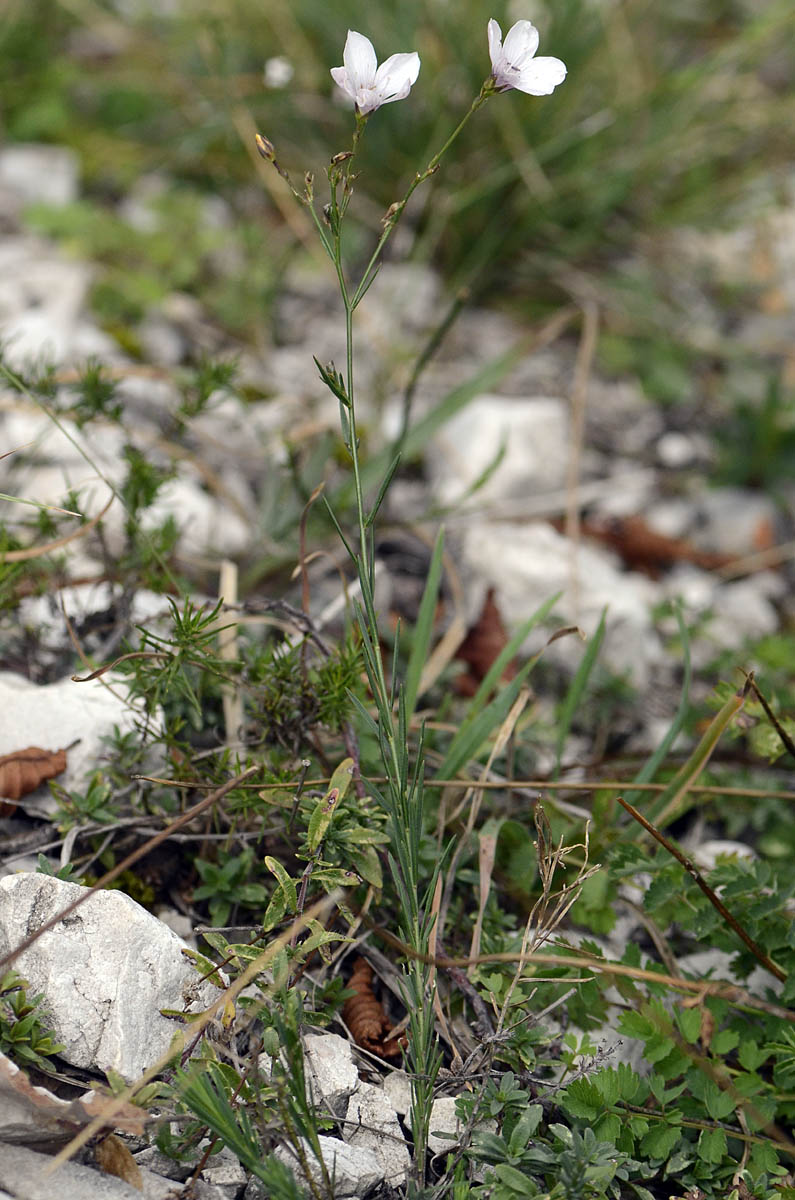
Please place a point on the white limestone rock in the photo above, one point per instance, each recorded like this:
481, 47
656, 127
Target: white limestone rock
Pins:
43, 303
446, 1127
527, 564
735, 521
531, 434
106, 971
397, 1087
55, 715
40, 174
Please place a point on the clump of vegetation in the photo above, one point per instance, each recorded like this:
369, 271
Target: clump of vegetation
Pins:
327, 786
24, 1035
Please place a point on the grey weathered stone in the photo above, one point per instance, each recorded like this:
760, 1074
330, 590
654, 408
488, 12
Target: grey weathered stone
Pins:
106, 971
333, 1075
224, 1172
354, 1170
21, 1173
371, 1122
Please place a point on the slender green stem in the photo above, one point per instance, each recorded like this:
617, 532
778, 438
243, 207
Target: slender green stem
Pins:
403, 794
395, 212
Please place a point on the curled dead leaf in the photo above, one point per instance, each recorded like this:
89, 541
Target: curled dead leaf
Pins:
23, 771
364, 1015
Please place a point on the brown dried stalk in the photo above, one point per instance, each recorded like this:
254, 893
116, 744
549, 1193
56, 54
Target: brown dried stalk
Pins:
713, 898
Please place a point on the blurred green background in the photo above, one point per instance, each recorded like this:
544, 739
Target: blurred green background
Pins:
672, 114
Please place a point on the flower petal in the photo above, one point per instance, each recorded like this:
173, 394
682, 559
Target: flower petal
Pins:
360, 61
340, 77
495, 42
521, 43
394, 77
541, 76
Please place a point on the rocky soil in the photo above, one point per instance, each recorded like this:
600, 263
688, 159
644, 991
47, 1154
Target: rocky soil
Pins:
552, 478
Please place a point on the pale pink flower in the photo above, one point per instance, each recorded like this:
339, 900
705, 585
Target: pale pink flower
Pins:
513, 62
367, 84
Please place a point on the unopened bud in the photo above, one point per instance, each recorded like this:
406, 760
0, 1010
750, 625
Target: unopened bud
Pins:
265, 147
391, 213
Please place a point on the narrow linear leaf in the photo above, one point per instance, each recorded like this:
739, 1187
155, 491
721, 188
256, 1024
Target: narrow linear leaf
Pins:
480, 720
650, 767
423, 630
382, 491
577, 688
672, 800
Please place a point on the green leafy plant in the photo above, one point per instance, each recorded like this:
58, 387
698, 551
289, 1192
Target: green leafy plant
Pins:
23, 1029
227, 886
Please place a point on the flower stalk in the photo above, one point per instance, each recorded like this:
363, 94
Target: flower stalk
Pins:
369, 86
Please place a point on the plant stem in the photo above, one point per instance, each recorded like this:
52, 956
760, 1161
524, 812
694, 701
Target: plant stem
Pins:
395, 212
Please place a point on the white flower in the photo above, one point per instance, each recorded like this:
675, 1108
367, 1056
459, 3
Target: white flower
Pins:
513, 64
278, 72
367, 84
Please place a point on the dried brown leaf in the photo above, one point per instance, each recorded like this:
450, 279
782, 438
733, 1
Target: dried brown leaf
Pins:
114, 1158
484, 643
23, 771
364, 1015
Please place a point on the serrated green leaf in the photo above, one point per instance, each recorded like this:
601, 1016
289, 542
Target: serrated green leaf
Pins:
718, 1104
751, 1056
633, 1088
636, 1025
724, 1041
608, 1129
608, 1084
660, 1140
689, 1021
583, 1099
712, 1146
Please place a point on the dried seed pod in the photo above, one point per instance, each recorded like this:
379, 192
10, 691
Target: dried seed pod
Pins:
23, 771
364, 1015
